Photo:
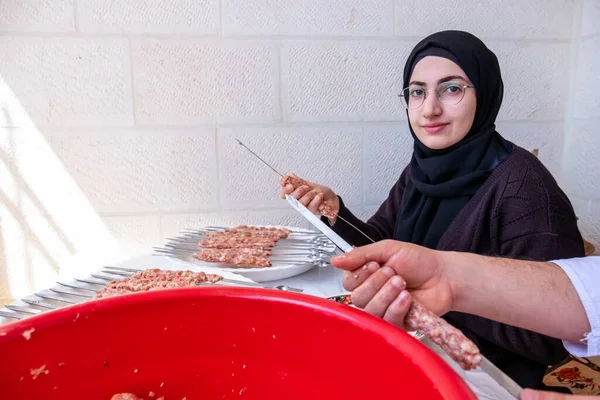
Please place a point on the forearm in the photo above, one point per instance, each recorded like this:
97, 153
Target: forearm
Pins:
531, 295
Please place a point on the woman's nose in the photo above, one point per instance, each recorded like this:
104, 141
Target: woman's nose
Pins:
431, 106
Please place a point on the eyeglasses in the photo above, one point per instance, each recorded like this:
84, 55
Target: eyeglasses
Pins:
447, 93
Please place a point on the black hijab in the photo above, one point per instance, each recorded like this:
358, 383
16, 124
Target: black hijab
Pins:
443, 181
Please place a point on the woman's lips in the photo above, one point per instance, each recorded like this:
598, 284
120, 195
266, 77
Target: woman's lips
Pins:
434, 128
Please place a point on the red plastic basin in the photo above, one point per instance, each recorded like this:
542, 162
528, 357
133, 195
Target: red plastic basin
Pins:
219, 343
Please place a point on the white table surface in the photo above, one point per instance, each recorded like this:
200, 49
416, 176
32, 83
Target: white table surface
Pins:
326, 282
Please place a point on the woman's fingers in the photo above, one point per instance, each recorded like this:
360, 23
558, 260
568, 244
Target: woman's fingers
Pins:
313, 206
300, 191
307, 198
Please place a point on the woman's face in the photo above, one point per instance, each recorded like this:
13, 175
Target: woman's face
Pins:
439, 125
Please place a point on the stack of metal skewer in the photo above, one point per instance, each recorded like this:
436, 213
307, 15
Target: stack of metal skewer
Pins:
80, 290
301, 247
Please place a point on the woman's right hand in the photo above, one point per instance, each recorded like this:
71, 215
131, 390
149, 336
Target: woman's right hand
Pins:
319, 199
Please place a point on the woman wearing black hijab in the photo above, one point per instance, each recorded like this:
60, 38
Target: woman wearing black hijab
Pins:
468, 189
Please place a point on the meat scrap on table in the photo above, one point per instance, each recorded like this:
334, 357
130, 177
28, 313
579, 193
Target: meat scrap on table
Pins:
155, 279
243, 245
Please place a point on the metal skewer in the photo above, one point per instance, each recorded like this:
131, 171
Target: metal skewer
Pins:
26, 310
39, 303
12, 315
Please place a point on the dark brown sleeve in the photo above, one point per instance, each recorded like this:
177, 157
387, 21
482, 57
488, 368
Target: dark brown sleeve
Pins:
380, 226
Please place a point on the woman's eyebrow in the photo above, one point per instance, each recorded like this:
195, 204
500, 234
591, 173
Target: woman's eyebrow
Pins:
446, 79
452, 77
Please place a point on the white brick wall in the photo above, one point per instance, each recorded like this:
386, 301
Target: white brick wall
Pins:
173, 17
121, 115
508, 19
67, 80
308, 18
142, 171
333, 80
37, 16
582, 143
196, 81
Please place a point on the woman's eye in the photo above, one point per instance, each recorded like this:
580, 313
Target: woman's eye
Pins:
452, 89
416, 92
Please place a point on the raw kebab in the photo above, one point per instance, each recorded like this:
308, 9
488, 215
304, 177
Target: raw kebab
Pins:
155, 279
241, 246
459, 347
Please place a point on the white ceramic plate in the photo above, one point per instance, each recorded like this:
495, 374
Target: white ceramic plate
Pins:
279, 269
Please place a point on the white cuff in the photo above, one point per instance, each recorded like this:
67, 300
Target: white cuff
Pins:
583, 274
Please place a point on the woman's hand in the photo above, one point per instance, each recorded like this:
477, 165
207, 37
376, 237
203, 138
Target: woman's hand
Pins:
319, 199
385, 275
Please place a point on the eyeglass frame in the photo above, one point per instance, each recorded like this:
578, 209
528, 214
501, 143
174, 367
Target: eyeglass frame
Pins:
437, 95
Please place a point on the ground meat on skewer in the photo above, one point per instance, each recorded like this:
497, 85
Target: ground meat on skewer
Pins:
245, 257
237, 241
325, 208
247, 234
242, 245
275, 233
155, 279
235, 251
460, 348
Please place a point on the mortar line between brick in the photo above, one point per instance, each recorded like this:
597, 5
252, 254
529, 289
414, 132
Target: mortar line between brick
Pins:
220, 30
131, 75
282, 109
267, 125
363, 166
76, 15
272, 37
394, 17
218, 166
590, 36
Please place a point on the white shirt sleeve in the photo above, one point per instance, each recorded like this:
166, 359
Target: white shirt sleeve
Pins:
584, 273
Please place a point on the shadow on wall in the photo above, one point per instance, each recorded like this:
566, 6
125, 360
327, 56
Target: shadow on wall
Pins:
48, 228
